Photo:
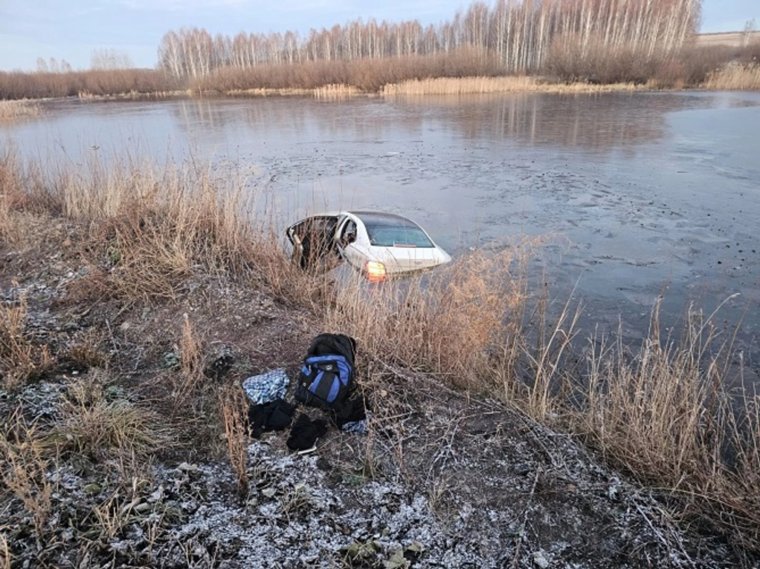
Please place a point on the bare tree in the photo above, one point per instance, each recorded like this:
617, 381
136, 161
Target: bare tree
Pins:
519, 32
105, 58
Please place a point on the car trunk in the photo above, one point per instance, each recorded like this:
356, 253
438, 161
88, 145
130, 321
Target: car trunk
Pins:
401, 259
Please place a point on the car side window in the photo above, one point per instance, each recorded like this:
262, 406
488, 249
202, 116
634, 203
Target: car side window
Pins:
348, 235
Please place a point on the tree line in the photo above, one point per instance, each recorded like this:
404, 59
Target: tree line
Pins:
522, 34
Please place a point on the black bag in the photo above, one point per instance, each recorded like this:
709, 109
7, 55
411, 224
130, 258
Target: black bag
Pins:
327, 374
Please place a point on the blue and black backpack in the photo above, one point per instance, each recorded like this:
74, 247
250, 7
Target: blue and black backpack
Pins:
327, 373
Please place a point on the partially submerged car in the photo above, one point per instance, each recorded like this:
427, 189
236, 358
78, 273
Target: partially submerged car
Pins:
378, 244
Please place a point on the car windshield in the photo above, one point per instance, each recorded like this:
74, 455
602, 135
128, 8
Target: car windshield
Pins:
394, 231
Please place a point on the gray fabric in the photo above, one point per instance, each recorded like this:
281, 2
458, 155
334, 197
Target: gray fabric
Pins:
358, 427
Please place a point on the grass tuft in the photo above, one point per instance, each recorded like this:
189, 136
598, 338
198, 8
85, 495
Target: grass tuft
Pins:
191, 363
234, 412
24, 464
102, 428
20, 359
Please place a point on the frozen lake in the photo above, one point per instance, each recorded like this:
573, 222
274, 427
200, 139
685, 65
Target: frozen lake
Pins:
638, 194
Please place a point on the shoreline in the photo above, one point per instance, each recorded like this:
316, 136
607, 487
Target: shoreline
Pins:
440, 86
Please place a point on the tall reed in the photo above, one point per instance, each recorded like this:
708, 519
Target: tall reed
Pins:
735, 77
12, 110
452, 323
662, 413
484, 85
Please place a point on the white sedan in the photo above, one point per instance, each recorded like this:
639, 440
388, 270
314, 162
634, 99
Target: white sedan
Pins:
377, 244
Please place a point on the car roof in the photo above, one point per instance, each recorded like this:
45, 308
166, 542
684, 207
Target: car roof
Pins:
382, 218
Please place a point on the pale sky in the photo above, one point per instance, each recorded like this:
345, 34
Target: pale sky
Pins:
73, 29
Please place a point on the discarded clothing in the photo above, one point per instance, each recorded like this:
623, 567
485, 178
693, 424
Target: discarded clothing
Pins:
350, 411
217, 367
266, 387
272, 416
358, 427
326, 344
305, 432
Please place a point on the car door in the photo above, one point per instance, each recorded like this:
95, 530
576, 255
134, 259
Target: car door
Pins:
347, 243
313, 240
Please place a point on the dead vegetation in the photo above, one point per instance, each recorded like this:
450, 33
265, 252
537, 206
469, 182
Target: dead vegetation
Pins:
735, 77
234, 412
38, 85
103, 426
26, 460
20, 358
660, 413
484, 85
664, 413
368, 75
13, 110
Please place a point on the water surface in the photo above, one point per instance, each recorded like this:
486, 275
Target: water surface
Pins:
641, 194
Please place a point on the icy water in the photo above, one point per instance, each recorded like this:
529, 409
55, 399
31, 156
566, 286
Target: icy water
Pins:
638, 194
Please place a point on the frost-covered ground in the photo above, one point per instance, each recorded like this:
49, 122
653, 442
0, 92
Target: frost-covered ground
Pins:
454, 483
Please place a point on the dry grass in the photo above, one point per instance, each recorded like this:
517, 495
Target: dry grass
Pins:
14, 110
335, 92
234, 411
113, 515
484, 85
655, 411
732, 491
664, 415
272, 92
5, 555
20, 359
24, 464
453, 322
103, 429
152, 228
191, 377
735, 77
10, 198
87, 351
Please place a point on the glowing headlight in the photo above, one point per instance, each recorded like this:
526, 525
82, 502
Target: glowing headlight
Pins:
375, 271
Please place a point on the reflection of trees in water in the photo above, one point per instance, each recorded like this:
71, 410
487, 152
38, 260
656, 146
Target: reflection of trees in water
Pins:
285, 117
595, 122
191, 113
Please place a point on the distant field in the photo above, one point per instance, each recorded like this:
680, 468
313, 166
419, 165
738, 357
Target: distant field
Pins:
732, 39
